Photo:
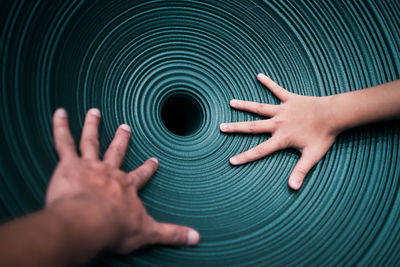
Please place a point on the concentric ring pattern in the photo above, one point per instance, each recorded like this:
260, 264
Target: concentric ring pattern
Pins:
127, 57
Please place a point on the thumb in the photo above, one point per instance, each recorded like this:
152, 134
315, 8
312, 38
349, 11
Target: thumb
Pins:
303, 166
173, 234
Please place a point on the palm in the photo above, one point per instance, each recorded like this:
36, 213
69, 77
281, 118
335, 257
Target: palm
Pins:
298, 122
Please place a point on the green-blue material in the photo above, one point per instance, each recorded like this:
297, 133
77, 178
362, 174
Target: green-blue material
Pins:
126, 57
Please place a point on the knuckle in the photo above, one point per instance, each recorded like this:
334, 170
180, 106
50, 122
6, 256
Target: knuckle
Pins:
115, 188
314, 156
122, 179
117, 151
91, 140
282, 142
301, 171
274, 123
155, 236
176, 236
94, 165
252, 126
278, 121
65, 139
259, 108
282, 107
134, 176
259, 150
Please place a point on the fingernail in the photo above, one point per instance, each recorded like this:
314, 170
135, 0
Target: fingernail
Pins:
234, 161
234, 102
295, 183
125, 127
223, 127
193, 237
60, 113
95, 112
154, 160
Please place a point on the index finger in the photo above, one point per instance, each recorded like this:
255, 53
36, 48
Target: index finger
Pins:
275, 88
65, 145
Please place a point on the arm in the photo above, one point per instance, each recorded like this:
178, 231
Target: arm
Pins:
91, 206
381, 102
66, 233
311, 124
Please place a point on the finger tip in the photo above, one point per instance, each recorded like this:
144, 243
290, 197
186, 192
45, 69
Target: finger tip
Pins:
294, 183
233, 161
193, 237
262, 77
61, 113
155, 160
223, 127
95, 111
125, 127
233, 102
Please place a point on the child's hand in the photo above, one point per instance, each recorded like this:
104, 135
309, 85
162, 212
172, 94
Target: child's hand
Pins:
300, 122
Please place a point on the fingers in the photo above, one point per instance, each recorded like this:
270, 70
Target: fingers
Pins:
115, 153
252, 127
172, 234
143, 173
302, 167
277, 90
63, 140
89, 144
257, 152
254, 107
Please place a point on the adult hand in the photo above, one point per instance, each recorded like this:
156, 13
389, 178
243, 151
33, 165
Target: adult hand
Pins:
106, 190
300, 122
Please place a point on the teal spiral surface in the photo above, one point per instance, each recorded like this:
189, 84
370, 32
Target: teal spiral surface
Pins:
128, 57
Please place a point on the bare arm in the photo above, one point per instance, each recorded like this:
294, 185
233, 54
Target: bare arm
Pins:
91, 206
67, 233
311, 124
381, 102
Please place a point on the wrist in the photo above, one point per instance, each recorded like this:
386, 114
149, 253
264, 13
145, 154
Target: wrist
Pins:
86, 225
328, 115
334, 120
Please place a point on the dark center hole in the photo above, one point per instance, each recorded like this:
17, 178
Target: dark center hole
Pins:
181, 114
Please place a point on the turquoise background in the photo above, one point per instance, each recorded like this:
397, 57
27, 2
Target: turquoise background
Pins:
127, 57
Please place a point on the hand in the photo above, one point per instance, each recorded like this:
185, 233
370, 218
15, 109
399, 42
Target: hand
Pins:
300, 122
104, 189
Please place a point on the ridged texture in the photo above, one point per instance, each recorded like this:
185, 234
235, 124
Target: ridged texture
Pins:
126, 57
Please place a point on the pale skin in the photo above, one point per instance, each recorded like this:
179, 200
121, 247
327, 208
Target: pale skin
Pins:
310, 124
91, 205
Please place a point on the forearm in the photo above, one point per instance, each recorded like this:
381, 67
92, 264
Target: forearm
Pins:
369, 105
63, 234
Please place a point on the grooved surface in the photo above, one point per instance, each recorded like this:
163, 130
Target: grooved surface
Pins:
126, 57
